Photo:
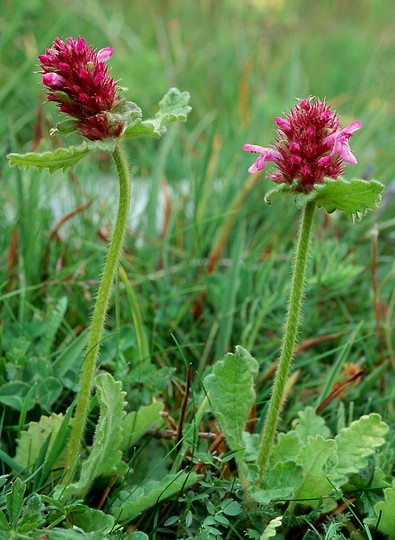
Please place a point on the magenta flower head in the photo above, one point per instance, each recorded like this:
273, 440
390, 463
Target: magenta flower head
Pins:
310, 146
78, 79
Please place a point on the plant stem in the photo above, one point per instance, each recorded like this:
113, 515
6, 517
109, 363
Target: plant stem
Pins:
99, 312
291, 327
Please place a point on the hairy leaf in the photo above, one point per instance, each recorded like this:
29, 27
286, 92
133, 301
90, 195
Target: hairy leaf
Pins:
282, 481
286, 449
61, 158
270, 530
138, 422
356, 443
132, 503
316, 459
385, 511
352, 197
309, 424
172, 107
14, 501
31, 441
231, 392
105, 458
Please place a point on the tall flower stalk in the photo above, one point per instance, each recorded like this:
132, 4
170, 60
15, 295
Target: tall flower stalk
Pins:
310, 148
77, 78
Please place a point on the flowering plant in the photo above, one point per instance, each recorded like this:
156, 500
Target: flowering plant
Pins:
309, 154
77, 78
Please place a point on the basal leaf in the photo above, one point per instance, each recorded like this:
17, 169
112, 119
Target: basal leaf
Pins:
14, 501
92, 520
172, 107
132, 504
231, 393
281, 483
353, 197
356, 443
286, 449
310, 424
271, 529
316, 459
61, 158
385, 510
105, 458
138, 422
30, 442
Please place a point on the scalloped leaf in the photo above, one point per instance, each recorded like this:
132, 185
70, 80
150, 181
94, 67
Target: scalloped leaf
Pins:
131, 504
316, 459
270, 530
61, 158
173, 107
231, 393
384, 510
278, 189
136, 423
105, 458
310, 424
31, 441
353, 197
356, 443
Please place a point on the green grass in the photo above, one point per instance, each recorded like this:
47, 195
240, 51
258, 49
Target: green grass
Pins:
243, 63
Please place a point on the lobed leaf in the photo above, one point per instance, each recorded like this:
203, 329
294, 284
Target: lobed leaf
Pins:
230, 389
270, 530
353, 197
173, 107
14, 501
316, 459
136, 423
61, 158
310, 424
105, 458
356, 443
385, 511
131, 504
31, 441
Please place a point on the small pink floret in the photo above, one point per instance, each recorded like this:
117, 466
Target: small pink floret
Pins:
265, 155
104, 54
339, 142
52, 79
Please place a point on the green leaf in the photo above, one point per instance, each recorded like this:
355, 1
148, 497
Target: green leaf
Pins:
14, 501
278, 189
309, 424
62, 158
230, 389
31, 441
270, 530
281, 483
356, 443
4, 525
316, 460
13, 394
173, 107
92, 520
352, 197
131, 504
138, 422
105, 458
286, 449
385, 511
53, 320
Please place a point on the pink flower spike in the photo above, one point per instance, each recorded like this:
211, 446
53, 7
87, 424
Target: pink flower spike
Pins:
339, 142
104, 54
52, 79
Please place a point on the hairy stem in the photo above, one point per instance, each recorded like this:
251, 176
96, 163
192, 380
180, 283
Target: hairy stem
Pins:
99, 312
291, 327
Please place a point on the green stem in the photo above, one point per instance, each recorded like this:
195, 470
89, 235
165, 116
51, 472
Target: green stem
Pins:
291, 327
99, 312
